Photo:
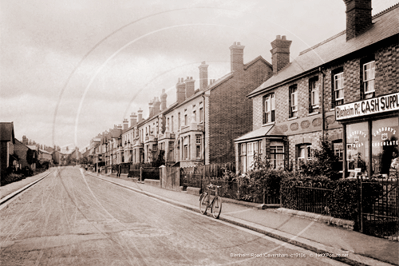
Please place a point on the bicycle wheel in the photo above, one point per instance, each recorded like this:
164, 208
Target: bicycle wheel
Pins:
203, 203
216, 207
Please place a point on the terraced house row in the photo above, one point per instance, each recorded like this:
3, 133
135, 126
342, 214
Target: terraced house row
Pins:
344, 89
199, 128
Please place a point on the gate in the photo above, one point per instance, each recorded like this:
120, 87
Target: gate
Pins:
379, 207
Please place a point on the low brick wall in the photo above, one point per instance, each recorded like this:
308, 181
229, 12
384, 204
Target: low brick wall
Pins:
193, 190
152, 182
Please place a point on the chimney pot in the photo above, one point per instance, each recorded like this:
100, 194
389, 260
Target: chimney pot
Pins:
283, 37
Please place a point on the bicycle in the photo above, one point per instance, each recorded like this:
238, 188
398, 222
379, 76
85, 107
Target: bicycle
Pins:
216, 203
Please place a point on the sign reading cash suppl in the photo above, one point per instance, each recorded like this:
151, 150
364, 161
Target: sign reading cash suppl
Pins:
371, 106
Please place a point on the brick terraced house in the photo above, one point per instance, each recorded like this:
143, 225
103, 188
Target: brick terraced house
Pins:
199, 128
345, 89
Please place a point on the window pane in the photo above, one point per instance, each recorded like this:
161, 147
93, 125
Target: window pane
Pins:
385, 146
273, 102
357, 147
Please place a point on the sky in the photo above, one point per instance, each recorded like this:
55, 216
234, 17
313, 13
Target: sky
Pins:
70, 70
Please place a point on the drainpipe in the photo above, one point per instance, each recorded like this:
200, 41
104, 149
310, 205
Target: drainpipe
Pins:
322, 103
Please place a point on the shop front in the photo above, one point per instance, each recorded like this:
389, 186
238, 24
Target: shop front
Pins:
371, 133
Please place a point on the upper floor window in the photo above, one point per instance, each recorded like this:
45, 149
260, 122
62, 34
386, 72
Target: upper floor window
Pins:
339, 88
195, 115
293, 104
178, 121
171, 119
314, 95
185, 120
201, 114
268, 108
368, 79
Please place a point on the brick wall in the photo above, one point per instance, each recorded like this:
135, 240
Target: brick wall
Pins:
387, 69
230, 111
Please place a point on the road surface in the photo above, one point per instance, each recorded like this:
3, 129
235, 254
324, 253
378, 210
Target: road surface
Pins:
70, 218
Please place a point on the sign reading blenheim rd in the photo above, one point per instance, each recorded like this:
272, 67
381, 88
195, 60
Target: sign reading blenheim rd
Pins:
376, 105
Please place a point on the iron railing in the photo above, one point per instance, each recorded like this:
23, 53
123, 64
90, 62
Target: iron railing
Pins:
313, 199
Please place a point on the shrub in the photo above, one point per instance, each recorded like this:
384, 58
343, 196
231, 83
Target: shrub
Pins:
343, 202
323, 163
260, 181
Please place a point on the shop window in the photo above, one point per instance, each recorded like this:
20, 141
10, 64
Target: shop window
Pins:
268, 108
368, 79
384, 147
338, 87
357, 148
198, 146
277, 155
293, 101
314, 95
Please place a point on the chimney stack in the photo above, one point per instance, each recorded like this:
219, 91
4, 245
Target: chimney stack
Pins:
180, 90
151, 108
203, 76
236, 57
163, 100
280, 53
125, 124
358, 17
133, 120
156, 106
140, 115
189, 87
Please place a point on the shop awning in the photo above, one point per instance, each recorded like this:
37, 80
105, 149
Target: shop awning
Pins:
270, 130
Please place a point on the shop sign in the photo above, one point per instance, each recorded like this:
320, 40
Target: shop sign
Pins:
376, 105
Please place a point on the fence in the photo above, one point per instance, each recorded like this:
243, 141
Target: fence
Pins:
202, 176
150, 173
379, 205
313, 199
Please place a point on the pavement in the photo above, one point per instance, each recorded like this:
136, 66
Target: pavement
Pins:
307, 231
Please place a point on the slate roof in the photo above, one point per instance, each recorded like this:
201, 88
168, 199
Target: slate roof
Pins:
385, 25
260, 132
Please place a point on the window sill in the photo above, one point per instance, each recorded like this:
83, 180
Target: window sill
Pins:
292, 118
268, 124
314, 113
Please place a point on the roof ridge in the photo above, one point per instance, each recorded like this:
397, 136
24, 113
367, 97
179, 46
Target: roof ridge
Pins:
386, 10
343, 32
322, 42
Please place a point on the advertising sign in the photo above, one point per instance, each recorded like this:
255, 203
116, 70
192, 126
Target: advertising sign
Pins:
385, 103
